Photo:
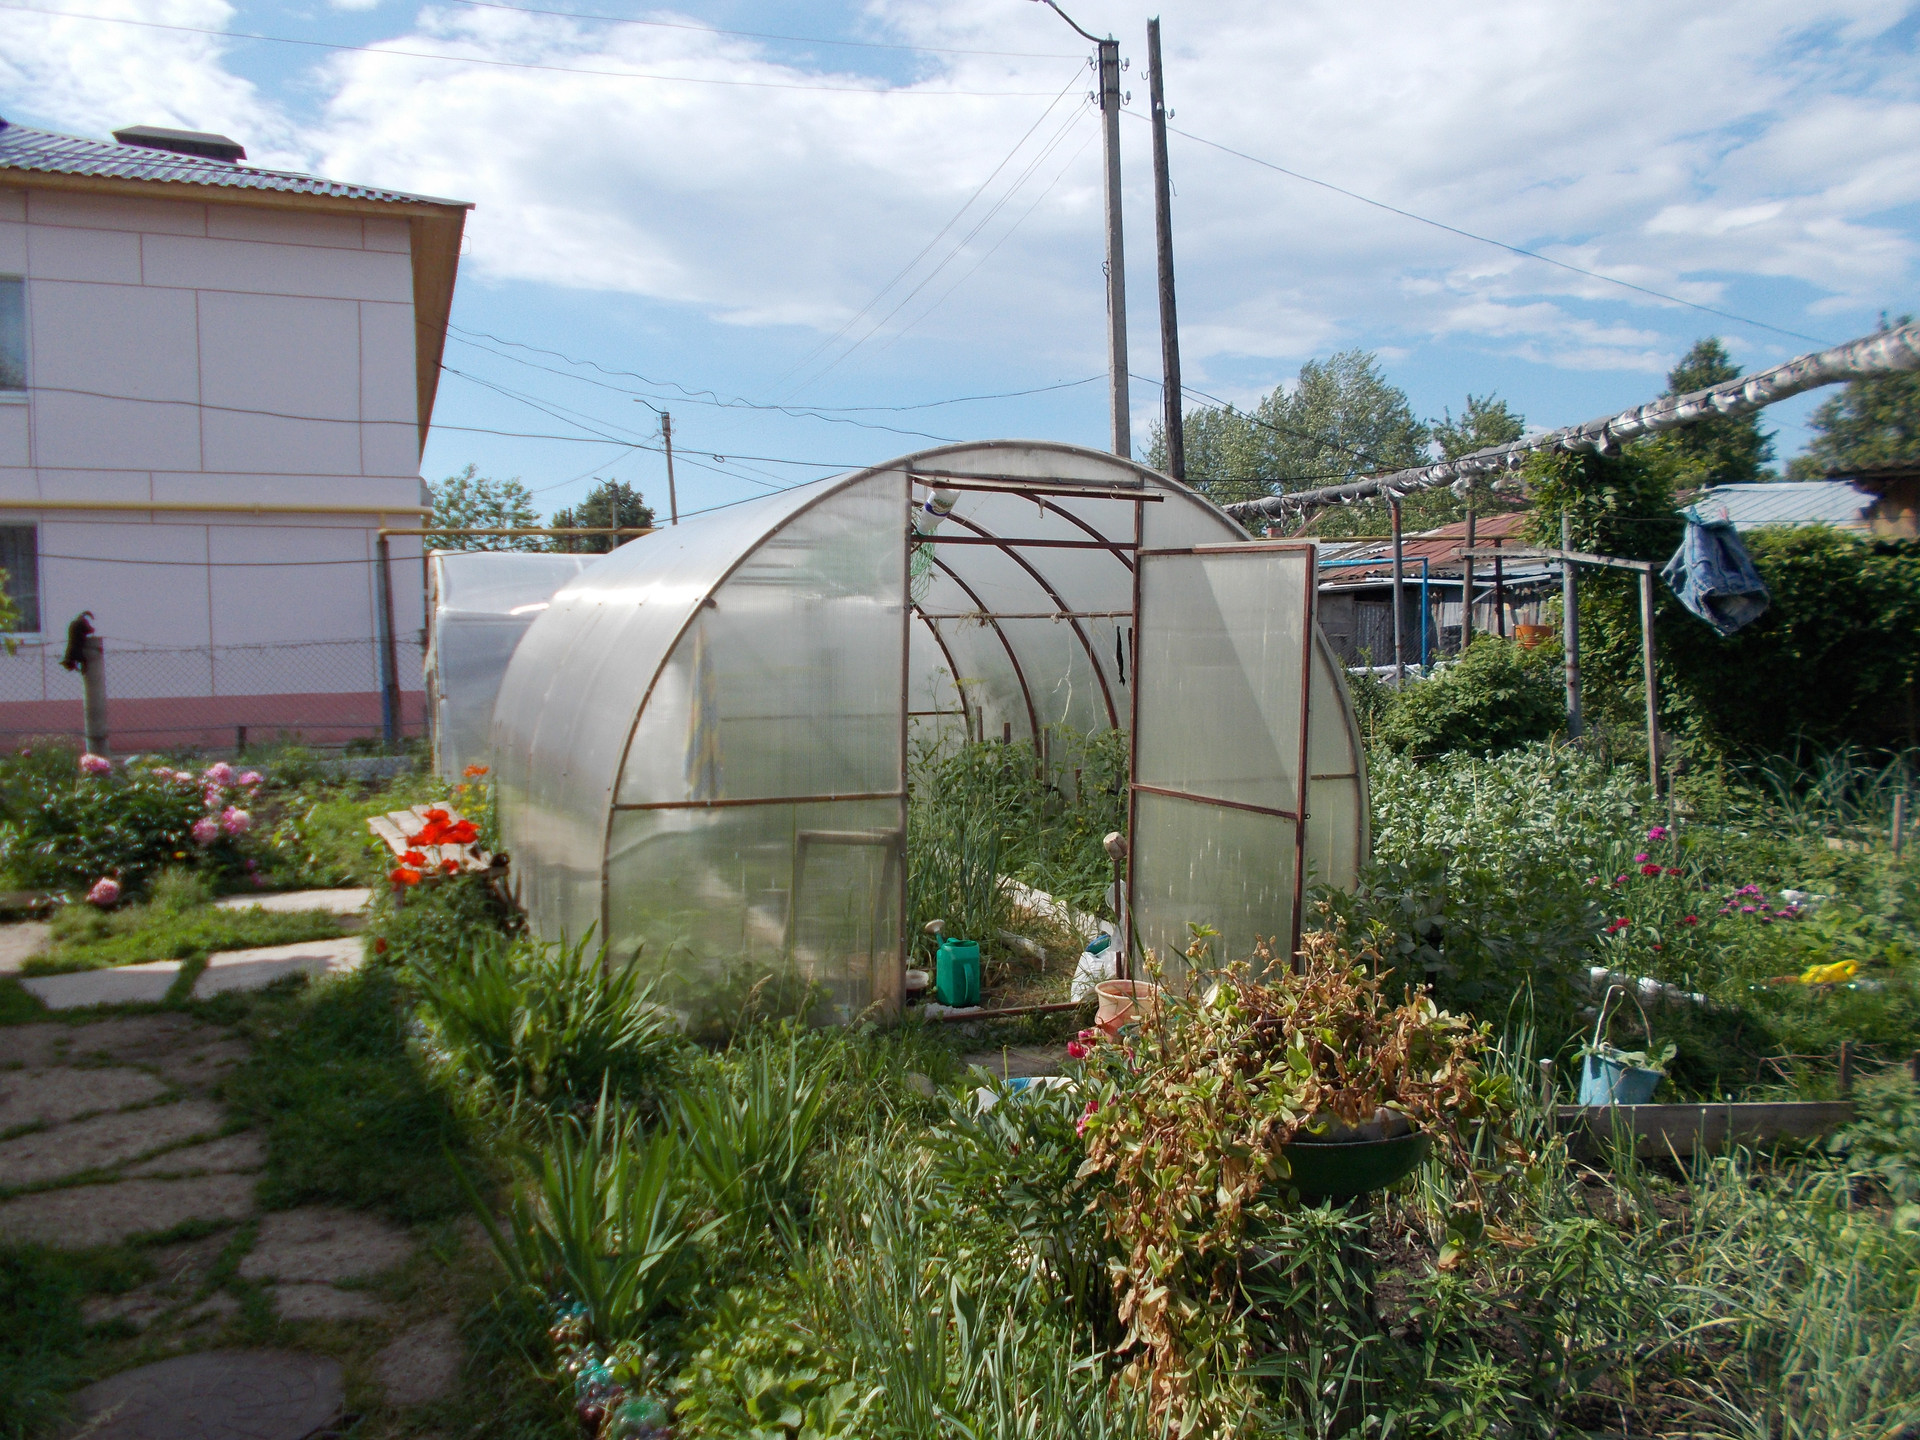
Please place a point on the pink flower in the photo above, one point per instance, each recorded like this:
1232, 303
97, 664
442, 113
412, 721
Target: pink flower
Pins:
1658, 832
250, 778
1080, 1126
104, 892
235, 822
1077, 1050
1641, 858
91, 764
206, 830
220, 773
1746, 909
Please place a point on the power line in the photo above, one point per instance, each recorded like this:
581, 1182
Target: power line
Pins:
1489, 240
512, 64
735, 402
763, 35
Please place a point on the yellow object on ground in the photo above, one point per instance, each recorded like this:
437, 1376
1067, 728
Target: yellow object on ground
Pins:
1830, 974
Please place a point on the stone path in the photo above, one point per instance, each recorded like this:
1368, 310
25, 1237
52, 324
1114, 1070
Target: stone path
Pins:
148, 983
111, 1131
1018, 1060
20, 942
334, 902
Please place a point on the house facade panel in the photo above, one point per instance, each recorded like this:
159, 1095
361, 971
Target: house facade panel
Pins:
224, 376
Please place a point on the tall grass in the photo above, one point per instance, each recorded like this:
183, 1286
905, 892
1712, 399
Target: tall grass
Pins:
551, 1025
1846, 791
749, 1128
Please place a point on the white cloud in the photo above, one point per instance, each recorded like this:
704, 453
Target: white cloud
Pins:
1694, 150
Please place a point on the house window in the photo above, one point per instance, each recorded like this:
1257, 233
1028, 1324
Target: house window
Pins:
13, 333
20, 558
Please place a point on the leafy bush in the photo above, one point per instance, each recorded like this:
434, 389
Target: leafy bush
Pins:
556, 1026
1495, 697
1884, 1139
127, 824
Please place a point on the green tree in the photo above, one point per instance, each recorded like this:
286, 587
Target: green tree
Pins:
1733, 451
1873, 421
1342, 419
1485, 421
470, 500
1496, 696
612, 504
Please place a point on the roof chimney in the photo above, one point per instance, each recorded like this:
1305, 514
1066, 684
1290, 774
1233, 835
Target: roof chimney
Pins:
182, 142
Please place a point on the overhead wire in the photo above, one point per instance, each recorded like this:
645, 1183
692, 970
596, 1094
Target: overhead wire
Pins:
514, 64
906, 269
1489, 240
765, 35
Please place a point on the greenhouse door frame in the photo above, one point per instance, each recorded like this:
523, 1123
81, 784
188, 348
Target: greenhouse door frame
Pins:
1249, 552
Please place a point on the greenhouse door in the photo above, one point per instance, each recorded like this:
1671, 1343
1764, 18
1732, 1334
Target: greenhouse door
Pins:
1222, 676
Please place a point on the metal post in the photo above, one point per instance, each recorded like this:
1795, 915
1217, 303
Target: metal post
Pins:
93, 693
1116, 255
673, 499
1499, 593
1653, 694
1399, 621
1426, 611
389, 659
1173, 423
1570, 628
1466, 589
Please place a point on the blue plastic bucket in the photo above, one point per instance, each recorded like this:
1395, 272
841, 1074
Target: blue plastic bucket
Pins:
1608, 1082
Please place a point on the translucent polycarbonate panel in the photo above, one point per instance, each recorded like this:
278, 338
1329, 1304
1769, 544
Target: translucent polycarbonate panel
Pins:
790, 680
501, 582
568, 702
800, 900
936, 716
484, 602
1201, 864
1222, 639
1338, 831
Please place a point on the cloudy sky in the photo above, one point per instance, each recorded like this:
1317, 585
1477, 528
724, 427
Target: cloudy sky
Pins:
856, 212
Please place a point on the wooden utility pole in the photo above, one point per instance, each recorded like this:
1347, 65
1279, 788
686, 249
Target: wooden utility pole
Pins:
1466, 587
1570, 628
1109, 67
673, 500
1653, 694
1172, 422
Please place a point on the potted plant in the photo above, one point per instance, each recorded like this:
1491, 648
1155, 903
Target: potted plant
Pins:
1612, 1076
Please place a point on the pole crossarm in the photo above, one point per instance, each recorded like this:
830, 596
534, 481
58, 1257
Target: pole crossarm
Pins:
1884, 353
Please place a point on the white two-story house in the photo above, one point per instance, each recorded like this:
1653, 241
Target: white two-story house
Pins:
215, 382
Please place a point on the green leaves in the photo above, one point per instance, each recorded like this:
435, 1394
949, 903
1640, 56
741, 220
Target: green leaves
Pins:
750, 1129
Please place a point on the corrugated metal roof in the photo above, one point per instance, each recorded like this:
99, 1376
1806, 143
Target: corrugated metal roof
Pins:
48, 153
1788, 502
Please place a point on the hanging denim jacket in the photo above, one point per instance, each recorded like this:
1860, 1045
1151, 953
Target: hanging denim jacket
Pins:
1713, 575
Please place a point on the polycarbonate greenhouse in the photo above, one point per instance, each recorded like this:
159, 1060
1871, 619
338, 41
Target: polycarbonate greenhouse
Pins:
479, 604
701, 745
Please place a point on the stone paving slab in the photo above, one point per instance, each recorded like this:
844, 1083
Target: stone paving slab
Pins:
86, 1215
215, 1395
204, 1066
104, 1141
140, 1039
20, 942
423, 1365
1016, 1061
65, 1092
316, 1244
323, 1302
258, 968
228, 1155
334, 902
143, 984
32, 1044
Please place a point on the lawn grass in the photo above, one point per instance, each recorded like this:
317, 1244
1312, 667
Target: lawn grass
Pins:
88, 939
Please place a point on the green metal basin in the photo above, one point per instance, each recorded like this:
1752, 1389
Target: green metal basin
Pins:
1358, 1167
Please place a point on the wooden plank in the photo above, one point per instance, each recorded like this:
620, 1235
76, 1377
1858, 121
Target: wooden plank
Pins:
388, 831
1693, 1129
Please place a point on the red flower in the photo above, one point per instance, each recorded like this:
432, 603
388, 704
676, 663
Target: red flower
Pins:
452, 867
1080, 1126
1077, 1050
404, 876
1649, 869
379, 944
473, 771
413, 858
1690, 920
1673, 870
435, 814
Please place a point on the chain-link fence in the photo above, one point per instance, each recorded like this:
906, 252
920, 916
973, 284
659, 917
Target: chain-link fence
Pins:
316, 692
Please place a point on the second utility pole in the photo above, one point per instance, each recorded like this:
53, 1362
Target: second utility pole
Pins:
1172, 423
673, 500
1116, 256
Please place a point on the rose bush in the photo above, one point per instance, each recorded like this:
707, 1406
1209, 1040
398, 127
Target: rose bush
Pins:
123, 824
